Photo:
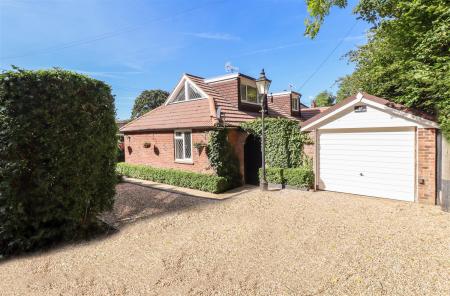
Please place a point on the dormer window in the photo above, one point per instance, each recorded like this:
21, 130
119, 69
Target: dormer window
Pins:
294, 103
187, 92
249, 94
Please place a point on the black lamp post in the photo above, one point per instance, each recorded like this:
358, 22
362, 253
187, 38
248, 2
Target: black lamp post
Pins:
263, 84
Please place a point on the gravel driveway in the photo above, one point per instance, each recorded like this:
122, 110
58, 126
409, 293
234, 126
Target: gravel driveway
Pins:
277, 243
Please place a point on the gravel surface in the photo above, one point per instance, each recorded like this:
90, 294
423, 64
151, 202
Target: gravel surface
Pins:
276, 243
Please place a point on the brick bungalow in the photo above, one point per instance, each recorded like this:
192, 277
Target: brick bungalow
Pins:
166, 137
364, 145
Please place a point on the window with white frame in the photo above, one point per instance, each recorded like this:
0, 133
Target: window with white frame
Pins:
187, 92
294, 103
249, 94
183, 146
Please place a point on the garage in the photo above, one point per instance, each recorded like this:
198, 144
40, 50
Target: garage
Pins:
369, 146
374, 163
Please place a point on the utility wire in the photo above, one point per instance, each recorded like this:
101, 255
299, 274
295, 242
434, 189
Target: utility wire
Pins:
109, 34
328, 56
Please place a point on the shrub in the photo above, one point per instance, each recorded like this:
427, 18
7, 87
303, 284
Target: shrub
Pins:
204, 182
299, 177
273, 175
57, 156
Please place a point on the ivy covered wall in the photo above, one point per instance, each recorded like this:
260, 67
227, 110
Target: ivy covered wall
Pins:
284, 141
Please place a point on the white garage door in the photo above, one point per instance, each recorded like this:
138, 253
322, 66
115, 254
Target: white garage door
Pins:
369, 163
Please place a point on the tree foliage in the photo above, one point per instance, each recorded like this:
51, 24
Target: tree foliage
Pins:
57, 156
148, 100
324, 99
407, 57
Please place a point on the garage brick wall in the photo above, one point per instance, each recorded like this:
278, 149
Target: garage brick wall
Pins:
161, 152
426, 165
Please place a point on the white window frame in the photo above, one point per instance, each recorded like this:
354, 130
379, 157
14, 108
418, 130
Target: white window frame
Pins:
292, 103
182, 137
258, 100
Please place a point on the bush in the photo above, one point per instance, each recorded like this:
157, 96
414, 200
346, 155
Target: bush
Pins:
57, 156
204, 182
273, 175
299, 177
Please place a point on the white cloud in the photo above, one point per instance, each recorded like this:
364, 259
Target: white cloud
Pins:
214, 36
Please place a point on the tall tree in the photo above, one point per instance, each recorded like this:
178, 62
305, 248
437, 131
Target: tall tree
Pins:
148, 100
324, 98
407, 57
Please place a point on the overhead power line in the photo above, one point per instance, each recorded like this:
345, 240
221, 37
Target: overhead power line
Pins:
111, 34
328, 56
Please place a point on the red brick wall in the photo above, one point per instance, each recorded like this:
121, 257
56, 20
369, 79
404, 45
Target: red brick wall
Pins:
237, 140
161, 151
426, 165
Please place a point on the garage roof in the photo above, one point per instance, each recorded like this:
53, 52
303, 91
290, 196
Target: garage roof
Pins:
380, 103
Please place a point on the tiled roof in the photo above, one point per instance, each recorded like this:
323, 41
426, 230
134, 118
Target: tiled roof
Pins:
182, 115
202, 113
308, 113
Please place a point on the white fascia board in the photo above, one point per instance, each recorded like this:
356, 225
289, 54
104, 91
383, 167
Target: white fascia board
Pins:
180, 84
176, 89
360, 98
220, 78
324, 118
419, 120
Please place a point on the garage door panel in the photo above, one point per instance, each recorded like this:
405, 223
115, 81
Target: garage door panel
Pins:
385, 159
366, 176
339, 159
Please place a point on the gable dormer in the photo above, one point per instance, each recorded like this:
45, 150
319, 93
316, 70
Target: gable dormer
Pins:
288, 102
186, 90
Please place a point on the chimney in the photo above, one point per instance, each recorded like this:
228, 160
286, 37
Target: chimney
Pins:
313, 104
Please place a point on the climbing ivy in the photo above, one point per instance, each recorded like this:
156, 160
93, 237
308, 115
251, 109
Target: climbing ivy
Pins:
284, 141
222, 157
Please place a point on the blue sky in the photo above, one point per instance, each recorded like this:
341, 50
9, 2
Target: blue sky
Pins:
143, 44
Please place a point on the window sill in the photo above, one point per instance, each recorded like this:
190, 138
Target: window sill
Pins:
251, 103
184, 161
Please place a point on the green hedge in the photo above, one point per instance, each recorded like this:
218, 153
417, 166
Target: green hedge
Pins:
273, 175
204, 182
298, 177
57, 156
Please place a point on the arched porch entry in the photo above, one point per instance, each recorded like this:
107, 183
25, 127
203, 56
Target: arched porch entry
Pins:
252, 159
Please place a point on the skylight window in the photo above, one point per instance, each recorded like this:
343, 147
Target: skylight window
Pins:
188, 92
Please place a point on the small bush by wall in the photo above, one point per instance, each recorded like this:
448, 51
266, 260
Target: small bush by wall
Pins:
204, 182
298, 177
57, 156
273, 175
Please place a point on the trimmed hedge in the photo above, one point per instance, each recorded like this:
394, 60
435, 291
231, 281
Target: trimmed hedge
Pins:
57, 156
273, 175
299, 177
204, 182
